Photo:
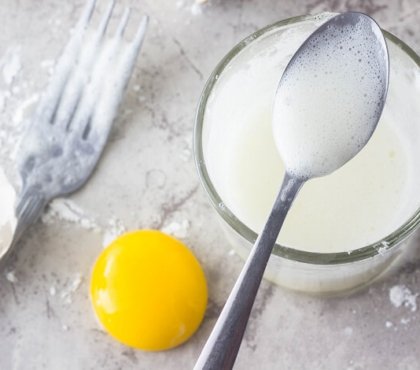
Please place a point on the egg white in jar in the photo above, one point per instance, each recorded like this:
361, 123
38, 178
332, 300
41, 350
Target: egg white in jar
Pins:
372, 196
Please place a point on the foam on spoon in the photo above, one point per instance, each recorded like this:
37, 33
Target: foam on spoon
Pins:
326, 105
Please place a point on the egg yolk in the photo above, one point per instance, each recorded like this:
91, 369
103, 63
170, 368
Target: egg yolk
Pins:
148, 290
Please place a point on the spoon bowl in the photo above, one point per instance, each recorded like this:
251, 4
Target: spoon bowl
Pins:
339, 74
316, 134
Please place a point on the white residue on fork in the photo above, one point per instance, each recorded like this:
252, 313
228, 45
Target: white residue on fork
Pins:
400, 295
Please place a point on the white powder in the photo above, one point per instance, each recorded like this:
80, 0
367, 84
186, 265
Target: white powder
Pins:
382, 250
388, 324
66, 294
53, 291
231, 253
11, 276
61, 209
348, 330
186, 151
2, 100
196, 9
400, 295
66, 210
404, 321
176, 229
114, 229
11, 65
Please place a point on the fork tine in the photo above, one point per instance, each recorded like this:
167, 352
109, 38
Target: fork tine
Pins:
79, 76
50, 100
138, 39
54, 162
113, 88
101, 72
86, 15
105, 20
123, 23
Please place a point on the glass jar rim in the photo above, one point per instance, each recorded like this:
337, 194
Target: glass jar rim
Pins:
380, 247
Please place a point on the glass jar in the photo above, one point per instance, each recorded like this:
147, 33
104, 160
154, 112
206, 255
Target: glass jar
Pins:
316, 273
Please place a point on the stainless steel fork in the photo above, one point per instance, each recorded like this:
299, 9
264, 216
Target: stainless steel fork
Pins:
71, 124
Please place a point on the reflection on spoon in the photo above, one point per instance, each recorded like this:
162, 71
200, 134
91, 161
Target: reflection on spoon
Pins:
327, 106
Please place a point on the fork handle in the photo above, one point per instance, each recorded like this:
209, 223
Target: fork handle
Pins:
29, 207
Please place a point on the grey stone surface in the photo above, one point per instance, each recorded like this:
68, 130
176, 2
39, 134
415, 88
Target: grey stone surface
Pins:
146, 179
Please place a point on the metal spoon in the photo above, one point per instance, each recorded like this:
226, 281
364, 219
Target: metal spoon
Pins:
323, 47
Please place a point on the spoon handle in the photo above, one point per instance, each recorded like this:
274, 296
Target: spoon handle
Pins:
219, 353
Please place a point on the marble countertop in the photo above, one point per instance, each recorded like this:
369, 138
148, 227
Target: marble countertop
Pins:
147, 179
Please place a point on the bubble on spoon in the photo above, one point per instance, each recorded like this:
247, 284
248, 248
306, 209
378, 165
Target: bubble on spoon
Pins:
338, 87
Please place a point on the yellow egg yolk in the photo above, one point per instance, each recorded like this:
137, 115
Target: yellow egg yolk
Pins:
148, 290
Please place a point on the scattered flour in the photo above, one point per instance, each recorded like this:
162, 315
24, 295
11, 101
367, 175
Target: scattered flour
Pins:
11, 65
11, 276
231, 253
400, 295
382, 250
195, 6
348, 330
53, 291
176, 229
186, 150
196, 9
404, 321
66, 210
114, 229
61, 209
389, 324
66, 294
3, 97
